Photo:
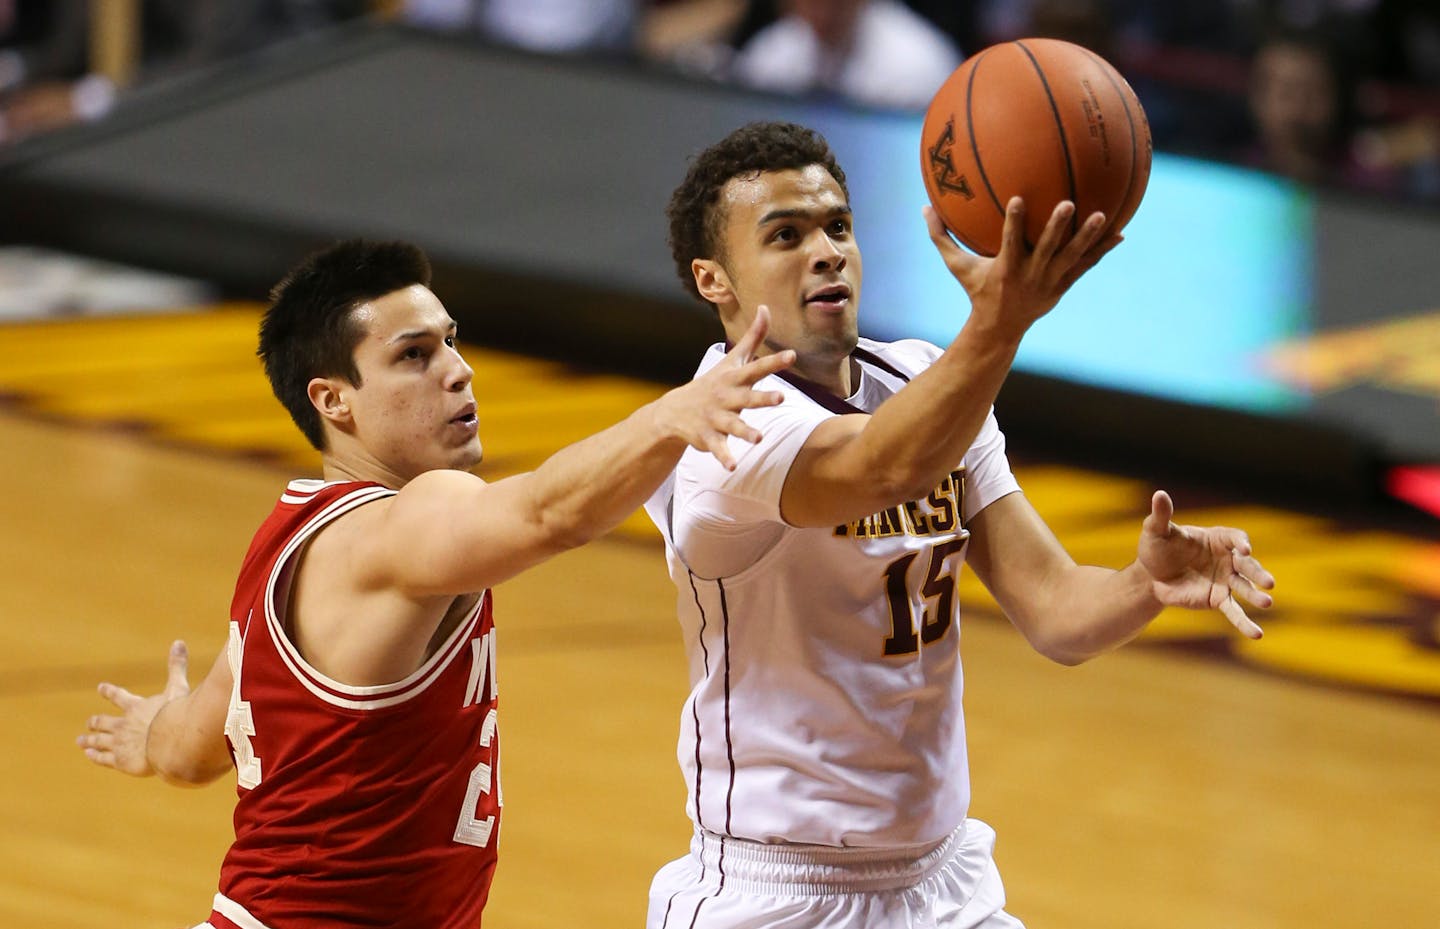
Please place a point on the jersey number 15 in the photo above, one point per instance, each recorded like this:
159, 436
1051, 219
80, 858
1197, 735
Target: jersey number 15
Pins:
937, 586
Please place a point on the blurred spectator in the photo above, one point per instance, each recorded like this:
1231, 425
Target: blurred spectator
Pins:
185, 33
1302, 96
874, 52
41, 41
958, 20
1090, 23
1348, 27
44, 83
603, 26
695, 36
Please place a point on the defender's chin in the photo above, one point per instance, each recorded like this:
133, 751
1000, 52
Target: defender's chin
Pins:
469, 456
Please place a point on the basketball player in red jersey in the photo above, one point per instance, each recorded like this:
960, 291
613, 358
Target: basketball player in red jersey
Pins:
356, 700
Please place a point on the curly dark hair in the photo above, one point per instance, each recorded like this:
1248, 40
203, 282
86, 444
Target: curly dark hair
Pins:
696, 218
310, 329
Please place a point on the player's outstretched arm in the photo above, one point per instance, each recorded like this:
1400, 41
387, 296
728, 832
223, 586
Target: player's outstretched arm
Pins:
448, 532
857, 465
177, 733
1071, 612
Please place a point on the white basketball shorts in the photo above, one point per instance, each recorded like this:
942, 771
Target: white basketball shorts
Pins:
727, 883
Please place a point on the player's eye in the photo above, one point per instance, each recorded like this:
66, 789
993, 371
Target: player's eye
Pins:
840, 227
412, 353
785, 234
450, 341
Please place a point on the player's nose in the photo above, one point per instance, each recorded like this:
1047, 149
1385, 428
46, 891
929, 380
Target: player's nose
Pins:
460, 374
825, 255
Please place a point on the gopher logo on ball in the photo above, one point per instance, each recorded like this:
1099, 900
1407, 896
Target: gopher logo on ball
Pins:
942, 169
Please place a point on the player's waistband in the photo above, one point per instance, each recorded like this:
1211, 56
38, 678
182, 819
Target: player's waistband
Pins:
760, 867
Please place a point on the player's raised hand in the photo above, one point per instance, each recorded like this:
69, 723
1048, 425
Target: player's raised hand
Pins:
706, 411
1203, 568
119, 741
1009, 292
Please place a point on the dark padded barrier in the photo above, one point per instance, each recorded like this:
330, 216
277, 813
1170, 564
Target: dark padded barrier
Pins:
502, 166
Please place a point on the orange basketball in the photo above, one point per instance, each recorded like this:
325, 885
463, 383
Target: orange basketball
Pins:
1041, 118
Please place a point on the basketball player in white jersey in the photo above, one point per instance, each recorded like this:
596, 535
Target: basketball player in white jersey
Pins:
823, 741
356, 701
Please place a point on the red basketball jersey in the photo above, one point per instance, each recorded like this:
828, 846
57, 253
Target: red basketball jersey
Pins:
358, 806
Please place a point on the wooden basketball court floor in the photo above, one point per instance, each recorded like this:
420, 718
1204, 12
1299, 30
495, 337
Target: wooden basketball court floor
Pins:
1190, 780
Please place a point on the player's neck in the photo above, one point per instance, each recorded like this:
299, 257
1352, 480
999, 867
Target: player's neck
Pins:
835, 376
343, 464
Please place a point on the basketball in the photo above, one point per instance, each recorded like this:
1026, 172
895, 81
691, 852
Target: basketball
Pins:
1045, 119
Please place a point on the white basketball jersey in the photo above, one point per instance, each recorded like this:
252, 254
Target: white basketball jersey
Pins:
824, 663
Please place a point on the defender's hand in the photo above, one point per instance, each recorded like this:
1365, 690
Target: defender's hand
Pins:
706, 411
119, 741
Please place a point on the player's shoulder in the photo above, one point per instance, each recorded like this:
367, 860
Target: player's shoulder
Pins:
716, 353
307, 504
353, 513
309, 492
712, 357
909, 355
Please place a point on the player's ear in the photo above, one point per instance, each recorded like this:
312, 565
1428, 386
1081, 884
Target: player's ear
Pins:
711, 281
329, 396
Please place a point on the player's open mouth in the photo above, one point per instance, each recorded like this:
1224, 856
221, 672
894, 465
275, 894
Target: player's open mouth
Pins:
832, 297
466, 417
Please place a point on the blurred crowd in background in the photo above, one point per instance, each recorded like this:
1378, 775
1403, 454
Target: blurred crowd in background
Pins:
1330, 92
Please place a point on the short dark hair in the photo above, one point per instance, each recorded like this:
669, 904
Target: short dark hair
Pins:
696, 219
309, 330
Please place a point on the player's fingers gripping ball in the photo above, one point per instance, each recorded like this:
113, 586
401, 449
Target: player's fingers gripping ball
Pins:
1040, 118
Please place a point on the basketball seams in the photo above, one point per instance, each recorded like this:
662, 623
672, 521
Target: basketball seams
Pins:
1060, 131
1129, 119
970, 131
